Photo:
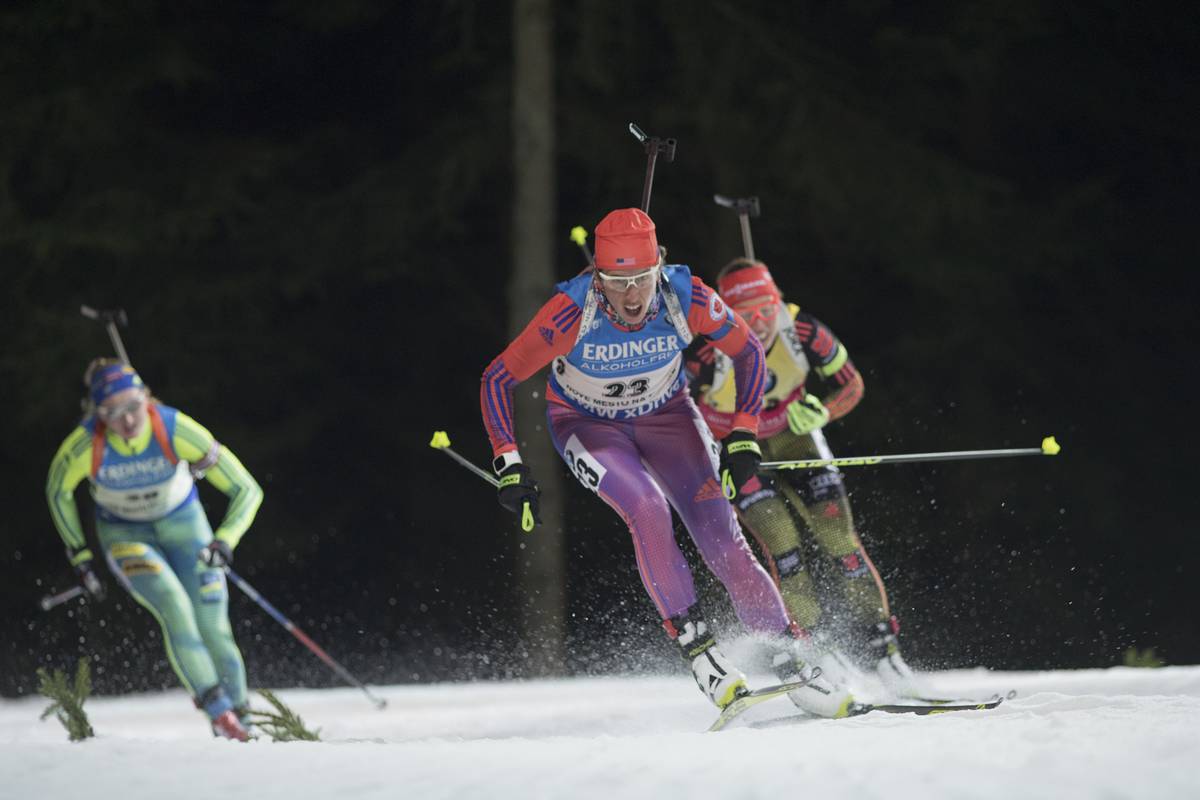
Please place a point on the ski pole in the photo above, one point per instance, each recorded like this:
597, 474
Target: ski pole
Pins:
441, 441
291, 628
110, 318
51, 600
1049, 448
745, 208
653, 146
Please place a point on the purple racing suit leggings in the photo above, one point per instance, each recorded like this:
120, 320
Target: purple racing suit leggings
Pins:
639, 465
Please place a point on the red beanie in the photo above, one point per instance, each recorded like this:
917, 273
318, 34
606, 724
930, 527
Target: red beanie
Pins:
625, 240
745, 284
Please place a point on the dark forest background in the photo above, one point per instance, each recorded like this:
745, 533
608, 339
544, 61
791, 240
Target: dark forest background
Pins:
305, 209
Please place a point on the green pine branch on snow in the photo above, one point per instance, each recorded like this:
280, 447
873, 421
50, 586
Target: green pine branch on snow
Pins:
68, 699
1135, 657
282, 724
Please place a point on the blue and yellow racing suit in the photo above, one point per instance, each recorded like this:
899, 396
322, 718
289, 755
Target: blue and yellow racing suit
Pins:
152, 527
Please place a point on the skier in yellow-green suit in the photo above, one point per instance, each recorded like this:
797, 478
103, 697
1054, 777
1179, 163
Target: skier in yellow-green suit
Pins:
141, 459
792, 511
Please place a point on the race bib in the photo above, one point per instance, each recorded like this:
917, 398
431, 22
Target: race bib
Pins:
587, 469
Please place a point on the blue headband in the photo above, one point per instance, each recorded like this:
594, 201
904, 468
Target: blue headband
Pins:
112, 379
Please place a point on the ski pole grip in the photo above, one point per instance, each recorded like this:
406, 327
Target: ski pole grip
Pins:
50, 601
106, 315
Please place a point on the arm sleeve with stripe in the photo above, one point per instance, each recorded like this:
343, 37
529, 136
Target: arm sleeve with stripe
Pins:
709, 316
831, 361
70, 466
192, 442
550, 334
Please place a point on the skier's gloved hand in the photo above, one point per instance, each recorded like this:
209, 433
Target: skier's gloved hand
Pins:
517, 492
806, 415
740, 457
81, 561
217, 554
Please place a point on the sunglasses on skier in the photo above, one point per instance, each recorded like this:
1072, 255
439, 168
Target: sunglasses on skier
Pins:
623, 283
766, 312
109, 413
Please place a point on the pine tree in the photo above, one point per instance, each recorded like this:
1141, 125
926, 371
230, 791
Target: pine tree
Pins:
282, 725
68, 699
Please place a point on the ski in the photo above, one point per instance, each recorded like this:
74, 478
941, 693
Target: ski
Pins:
924, 709
891, 708
737, 707
751, 699
945, 701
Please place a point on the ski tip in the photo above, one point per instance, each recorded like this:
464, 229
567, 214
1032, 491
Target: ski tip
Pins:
579, 235
439, 440
1050, 447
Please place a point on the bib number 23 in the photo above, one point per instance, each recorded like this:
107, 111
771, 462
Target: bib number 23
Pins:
633, 388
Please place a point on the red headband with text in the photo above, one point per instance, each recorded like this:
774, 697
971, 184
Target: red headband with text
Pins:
745, 284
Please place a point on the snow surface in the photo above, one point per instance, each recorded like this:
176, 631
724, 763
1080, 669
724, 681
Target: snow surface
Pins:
1116, 733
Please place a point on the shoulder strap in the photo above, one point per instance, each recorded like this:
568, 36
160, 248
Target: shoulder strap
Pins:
786, 326
97, 447
675, 311
722, 369
589, 313
160, 433
156, 425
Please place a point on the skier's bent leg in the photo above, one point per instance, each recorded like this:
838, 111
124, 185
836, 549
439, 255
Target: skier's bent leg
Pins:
826, 510
765, 515
676, 445
819, 497
147, 576
604, 458
183, 535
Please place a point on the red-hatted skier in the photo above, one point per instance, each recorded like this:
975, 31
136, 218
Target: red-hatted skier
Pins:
620, 416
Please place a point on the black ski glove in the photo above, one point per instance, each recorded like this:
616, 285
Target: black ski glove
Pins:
217, 554
518, 492
740, 457
88, 579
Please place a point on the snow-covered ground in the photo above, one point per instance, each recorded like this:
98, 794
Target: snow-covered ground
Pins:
1113, 733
